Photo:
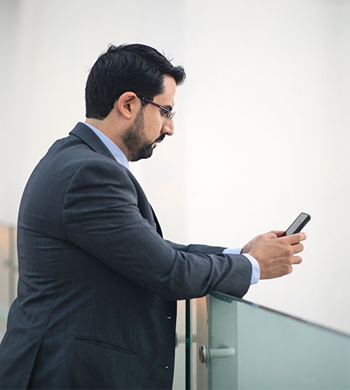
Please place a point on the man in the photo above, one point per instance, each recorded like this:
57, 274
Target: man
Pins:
98, 285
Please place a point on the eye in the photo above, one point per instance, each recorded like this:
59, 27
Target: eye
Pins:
166, 114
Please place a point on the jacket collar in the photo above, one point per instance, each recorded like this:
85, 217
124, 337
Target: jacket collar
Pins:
84, 133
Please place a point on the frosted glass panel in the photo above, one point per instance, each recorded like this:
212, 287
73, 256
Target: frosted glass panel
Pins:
264, 349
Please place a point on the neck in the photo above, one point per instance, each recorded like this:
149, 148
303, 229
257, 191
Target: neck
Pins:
110, 131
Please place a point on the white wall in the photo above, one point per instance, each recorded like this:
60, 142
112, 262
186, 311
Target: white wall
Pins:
268, 137
262, 130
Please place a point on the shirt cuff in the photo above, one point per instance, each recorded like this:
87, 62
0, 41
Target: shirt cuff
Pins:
255, 265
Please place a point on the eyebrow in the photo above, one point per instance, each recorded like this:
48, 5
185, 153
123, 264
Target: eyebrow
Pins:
168, 107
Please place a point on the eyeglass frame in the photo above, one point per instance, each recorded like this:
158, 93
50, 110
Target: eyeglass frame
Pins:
168, 114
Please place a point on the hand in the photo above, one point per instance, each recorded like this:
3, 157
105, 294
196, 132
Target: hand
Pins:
274, 253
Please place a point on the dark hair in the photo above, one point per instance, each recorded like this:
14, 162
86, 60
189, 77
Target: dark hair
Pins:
137, 68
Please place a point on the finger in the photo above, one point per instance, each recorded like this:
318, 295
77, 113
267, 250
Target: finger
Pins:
271, 235
294, 238
279, 233
297, 260
274, 233
297, 248
298, 237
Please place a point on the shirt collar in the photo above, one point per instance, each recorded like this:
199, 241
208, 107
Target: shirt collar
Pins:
111, 146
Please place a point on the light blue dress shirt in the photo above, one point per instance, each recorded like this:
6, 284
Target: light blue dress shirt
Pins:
111, 146
121, 159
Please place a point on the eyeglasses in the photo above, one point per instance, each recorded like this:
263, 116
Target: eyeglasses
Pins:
169, 115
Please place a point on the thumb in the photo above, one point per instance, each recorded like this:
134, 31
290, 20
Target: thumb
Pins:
279, 233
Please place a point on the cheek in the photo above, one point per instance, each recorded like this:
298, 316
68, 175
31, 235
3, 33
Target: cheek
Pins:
152, 123
154, 128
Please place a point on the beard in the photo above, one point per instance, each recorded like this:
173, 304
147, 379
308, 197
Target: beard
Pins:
135, 140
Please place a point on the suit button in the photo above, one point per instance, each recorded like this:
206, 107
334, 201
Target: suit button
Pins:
167, 317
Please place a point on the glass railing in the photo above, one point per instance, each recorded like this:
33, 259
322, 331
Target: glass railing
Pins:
8, 272
240, 345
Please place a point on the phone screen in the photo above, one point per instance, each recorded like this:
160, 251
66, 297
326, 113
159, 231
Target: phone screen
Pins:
298, 224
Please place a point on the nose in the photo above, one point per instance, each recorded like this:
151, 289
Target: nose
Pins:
168, 127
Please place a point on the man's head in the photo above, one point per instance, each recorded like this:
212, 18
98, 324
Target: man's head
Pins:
137, 68
133, 80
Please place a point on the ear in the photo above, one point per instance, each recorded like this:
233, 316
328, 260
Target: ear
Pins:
127, 104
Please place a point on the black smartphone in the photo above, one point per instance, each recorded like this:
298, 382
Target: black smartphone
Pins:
298, 224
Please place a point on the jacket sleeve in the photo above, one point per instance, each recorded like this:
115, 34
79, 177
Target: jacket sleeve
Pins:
197, 248
101, 216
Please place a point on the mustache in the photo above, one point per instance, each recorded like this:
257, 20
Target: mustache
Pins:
160, 138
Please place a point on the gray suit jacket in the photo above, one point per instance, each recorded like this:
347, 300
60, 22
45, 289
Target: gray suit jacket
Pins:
96, 305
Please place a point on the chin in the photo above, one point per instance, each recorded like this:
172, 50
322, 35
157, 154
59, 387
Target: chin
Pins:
143, 154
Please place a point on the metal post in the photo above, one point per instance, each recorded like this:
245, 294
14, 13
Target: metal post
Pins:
188, 345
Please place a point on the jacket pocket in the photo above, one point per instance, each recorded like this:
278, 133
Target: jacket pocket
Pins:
105, 344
